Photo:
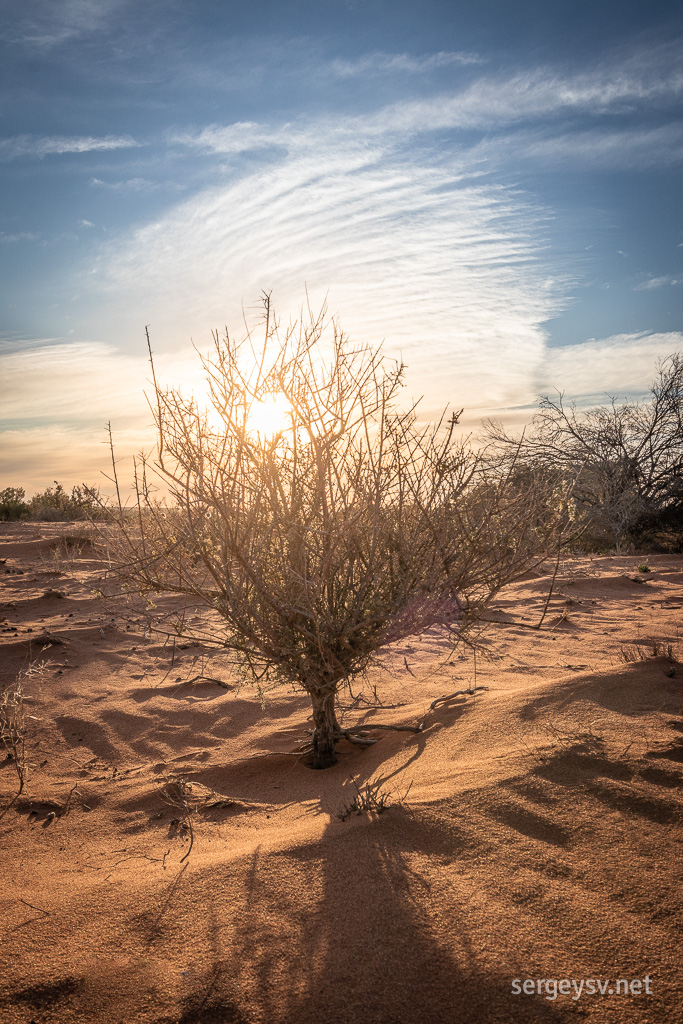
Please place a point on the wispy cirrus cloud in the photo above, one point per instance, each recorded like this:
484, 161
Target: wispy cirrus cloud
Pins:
619, 366
539, 93
57, 399
125, 184
44, 24
442, 266
379, 63
613, 147
7, 238
39, 146
657, 282
422, 248
492, 103
239, 137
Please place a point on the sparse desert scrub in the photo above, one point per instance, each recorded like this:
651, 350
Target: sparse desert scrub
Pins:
326, 536
651, 648
626, 459
12, 504
372, 798
54, 504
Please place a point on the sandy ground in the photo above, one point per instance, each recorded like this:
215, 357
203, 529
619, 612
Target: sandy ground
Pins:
532, 834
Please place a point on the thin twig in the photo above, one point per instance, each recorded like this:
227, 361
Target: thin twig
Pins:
34, 907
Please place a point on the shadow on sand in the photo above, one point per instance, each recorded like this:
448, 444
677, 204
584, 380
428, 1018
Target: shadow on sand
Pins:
344, 930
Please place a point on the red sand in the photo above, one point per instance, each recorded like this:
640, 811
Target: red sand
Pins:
539, 837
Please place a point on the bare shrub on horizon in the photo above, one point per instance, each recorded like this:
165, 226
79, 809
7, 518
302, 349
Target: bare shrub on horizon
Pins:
626, 458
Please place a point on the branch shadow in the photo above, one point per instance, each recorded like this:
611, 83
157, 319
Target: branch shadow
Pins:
341, 931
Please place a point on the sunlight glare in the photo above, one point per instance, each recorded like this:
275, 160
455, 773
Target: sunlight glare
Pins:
270, 416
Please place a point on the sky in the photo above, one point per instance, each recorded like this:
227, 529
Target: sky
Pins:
492, 190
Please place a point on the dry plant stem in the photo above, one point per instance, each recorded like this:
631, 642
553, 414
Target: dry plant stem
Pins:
67, 803
12, 735
358, 734
179, 799
353, 527
113, 464
156, 391
550, 588
34, 907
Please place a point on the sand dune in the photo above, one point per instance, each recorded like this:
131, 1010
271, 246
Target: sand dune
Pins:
532, 832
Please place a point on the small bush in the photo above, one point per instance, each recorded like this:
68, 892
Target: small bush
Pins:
54, 504
626, 461
12, 504
372, 798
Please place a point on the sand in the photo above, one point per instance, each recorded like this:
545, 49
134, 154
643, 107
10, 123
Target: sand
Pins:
532, 832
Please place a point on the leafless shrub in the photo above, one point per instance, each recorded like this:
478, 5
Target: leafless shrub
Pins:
347, 527
627, 458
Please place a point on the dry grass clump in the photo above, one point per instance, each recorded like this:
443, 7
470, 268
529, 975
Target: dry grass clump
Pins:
644, 650
372, 799
13, 732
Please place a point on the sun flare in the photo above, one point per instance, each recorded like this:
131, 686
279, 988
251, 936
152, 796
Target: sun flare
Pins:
270, 416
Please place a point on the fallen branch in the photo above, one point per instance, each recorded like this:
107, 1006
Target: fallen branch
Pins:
457, 693
357, 733
207, 679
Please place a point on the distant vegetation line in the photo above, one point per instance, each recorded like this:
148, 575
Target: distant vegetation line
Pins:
53, 505
626, 460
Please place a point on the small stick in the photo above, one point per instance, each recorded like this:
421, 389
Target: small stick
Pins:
34, 907
552, 585
67, 802
457, 693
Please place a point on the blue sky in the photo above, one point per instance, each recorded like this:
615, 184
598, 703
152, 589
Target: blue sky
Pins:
493, 189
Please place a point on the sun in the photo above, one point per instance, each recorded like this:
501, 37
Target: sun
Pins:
270, 416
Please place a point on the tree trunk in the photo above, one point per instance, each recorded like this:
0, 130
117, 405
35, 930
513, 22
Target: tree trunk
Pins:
325, 722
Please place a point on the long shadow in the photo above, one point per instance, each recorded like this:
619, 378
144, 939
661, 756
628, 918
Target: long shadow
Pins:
341, 931
635, 690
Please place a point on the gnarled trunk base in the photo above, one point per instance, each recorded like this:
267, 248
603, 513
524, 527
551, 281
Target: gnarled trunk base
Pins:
326, 730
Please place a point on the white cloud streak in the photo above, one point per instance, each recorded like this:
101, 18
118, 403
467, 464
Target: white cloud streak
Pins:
43, 24
379, 63
19, 236
541, 93
33, 145
70, 383
657, 282
491, 103
614, 148
57, 398
424, 252
444, 267
125, 185
622, 366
